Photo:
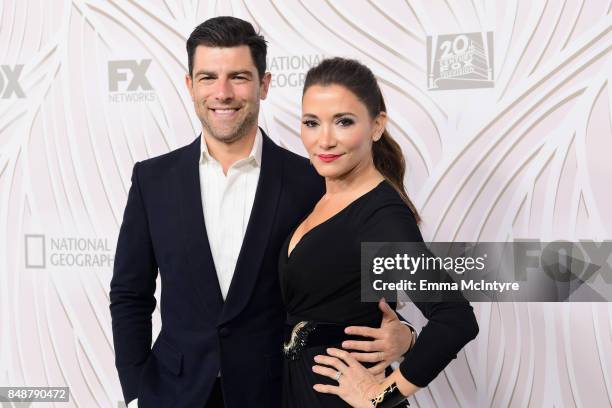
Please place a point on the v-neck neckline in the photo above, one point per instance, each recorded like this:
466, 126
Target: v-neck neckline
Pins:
288, 253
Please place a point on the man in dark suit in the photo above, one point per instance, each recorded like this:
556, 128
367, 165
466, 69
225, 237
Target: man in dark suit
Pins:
211, 218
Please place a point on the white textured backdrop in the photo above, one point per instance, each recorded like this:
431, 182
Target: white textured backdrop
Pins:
89, 87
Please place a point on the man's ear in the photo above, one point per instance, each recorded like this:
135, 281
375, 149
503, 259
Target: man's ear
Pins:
265, 85
189, 84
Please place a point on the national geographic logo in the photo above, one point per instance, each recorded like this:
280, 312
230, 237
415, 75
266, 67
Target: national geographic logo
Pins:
460, 61
289, 71
10, 86
128, 82
67, 252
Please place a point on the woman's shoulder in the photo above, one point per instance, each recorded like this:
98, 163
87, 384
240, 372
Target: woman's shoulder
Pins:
385, 213
384, 198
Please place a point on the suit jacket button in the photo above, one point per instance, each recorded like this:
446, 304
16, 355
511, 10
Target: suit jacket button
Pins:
224, 332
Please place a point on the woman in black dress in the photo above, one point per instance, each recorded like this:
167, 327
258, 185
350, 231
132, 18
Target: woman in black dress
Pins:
343, 130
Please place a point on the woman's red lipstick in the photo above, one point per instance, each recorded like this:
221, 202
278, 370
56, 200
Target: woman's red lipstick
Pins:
328, 157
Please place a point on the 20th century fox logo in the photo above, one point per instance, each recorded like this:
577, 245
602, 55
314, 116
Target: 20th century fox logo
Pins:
128, 82
460, 61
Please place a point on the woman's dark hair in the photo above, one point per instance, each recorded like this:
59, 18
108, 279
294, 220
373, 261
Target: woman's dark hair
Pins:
359, 79
228, 31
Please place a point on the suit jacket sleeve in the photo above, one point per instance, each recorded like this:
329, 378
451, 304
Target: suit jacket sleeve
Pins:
132, 291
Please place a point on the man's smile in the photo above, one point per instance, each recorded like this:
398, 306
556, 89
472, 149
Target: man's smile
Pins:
224, 113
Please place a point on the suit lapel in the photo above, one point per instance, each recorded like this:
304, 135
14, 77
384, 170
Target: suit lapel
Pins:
258, 231
201, 267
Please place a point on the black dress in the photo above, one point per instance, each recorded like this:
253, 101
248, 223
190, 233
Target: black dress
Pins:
320, 282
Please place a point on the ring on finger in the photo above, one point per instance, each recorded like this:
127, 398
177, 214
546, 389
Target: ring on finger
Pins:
337, 376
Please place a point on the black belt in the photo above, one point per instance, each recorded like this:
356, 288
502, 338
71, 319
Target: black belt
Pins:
312, 334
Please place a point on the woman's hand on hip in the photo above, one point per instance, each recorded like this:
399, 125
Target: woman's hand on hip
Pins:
356, 385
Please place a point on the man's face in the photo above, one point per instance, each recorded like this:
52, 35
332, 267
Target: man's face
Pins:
226, 90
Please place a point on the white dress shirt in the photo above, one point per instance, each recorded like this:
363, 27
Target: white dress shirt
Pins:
227, 200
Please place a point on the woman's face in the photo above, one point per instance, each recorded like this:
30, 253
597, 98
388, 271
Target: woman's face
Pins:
337, 130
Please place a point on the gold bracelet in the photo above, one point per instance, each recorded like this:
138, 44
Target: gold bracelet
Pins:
389, 398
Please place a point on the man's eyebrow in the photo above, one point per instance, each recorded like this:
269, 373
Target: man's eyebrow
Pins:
241, 72
207, 73
231, 73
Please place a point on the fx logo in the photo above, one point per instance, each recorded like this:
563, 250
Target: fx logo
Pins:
10, 77
117, 72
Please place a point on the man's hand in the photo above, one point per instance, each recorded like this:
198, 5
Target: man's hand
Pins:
389, 342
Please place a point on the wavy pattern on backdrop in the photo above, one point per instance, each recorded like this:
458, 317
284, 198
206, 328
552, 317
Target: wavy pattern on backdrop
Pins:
527, 158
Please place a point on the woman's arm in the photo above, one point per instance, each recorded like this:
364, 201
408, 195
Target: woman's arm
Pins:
450, 327
451, 323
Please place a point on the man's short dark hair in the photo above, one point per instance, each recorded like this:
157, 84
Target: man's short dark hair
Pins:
228, 31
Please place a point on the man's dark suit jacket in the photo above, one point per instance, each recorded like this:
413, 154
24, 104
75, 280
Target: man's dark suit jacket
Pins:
163, 229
